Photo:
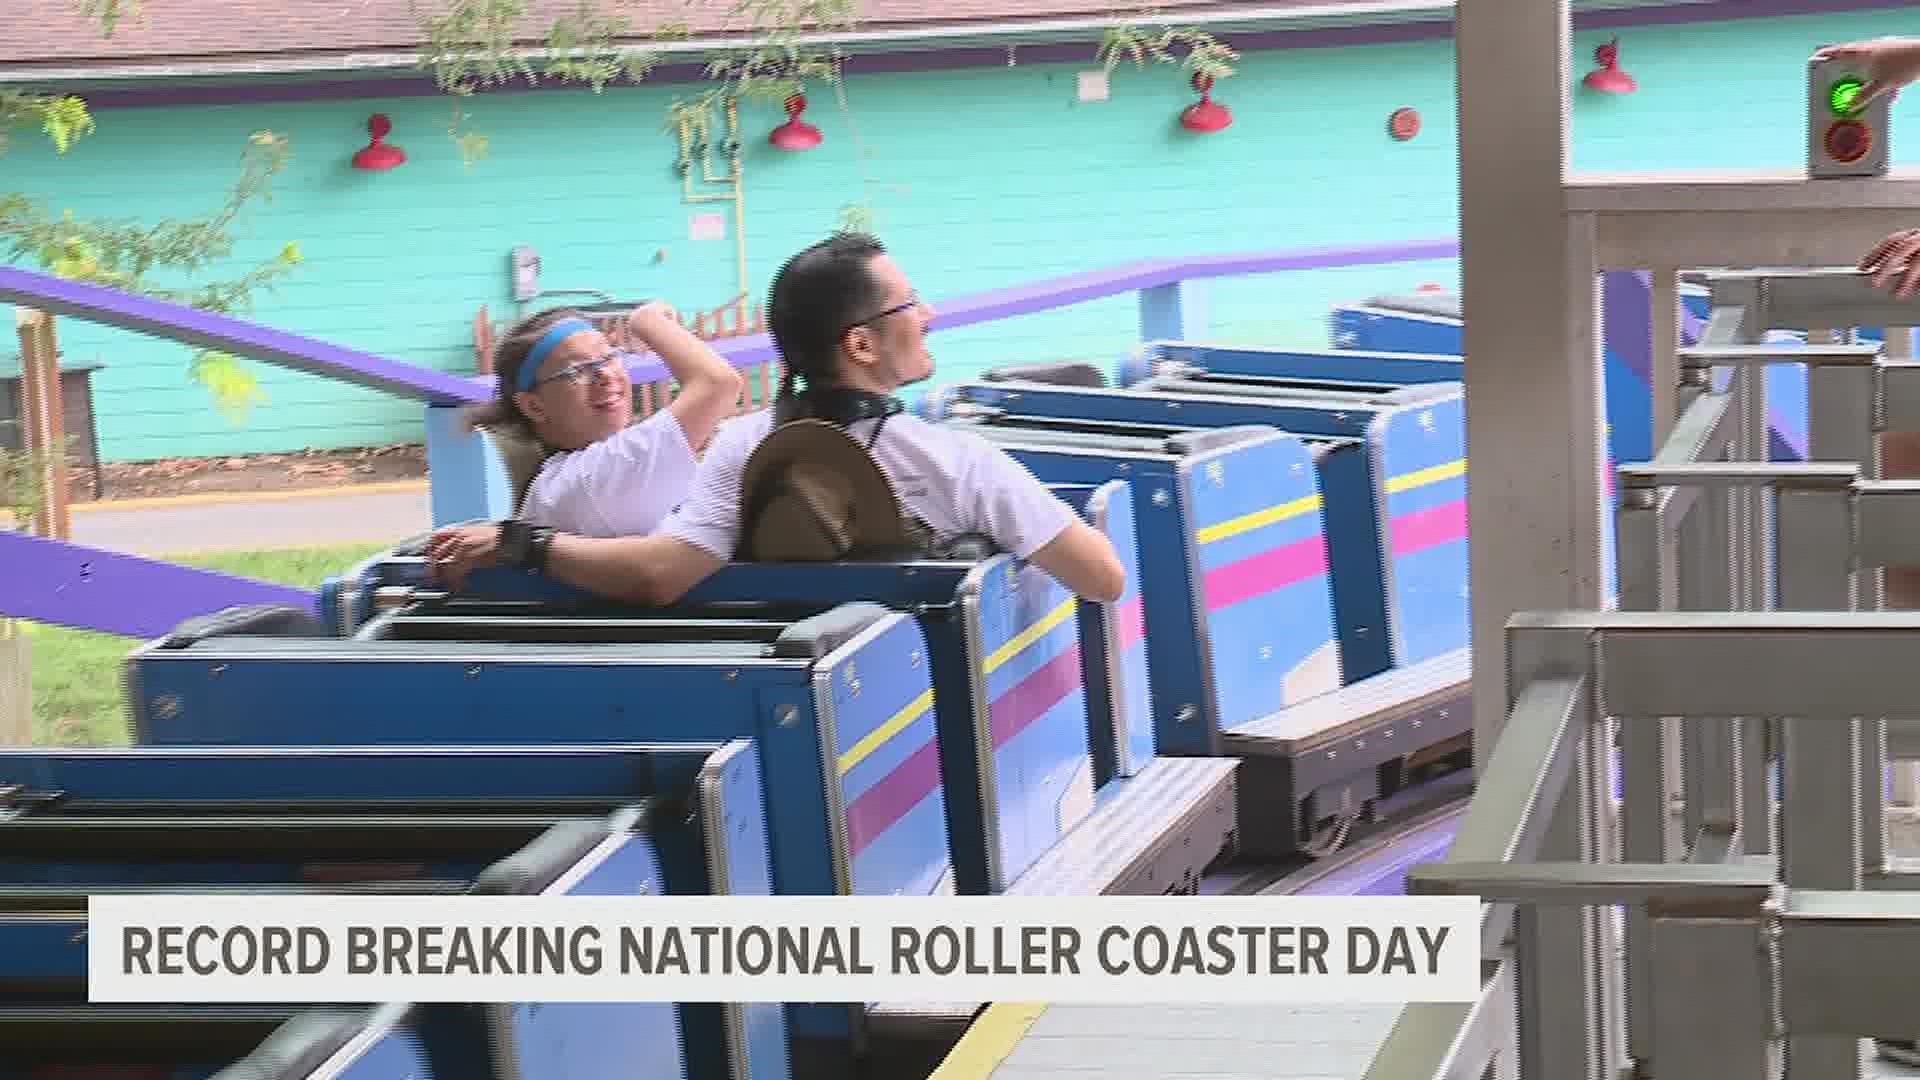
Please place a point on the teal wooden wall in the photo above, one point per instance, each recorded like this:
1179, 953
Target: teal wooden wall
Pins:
983, 179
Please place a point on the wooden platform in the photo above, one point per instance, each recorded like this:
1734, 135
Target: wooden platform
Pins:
1248, 1042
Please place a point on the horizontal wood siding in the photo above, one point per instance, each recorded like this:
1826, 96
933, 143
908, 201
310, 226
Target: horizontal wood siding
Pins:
982, 179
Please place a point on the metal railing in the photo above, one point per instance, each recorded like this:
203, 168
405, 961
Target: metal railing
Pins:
1743, 971
1748, 695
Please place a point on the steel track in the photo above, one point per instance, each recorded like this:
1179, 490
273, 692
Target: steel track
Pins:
1406, 814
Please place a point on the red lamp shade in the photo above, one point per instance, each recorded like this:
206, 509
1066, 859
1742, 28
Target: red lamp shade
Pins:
1608, 78
795, 134
1205, 115
378, 156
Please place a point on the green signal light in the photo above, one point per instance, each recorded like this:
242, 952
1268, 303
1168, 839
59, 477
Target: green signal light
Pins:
1844, 97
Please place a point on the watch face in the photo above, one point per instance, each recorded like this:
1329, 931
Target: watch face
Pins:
513, 542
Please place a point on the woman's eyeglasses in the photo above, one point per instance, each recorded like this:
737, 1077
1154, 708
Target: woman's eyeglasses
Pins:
576, 373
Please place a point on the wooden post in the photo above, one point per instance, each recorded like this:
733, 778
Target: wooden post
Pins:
44, 418
42, 422
16, 685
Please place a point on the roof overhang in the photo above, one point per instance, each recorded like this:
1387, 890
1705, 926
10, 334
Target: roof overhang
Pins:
946, 36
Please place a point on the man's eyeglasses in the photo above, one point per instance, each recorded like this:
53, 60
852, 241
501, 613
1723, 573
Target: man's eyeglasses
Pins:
576, 373
912, 302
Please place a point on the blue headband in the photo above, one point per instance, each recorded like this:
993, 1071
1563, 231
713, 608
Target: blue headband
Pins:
555, 334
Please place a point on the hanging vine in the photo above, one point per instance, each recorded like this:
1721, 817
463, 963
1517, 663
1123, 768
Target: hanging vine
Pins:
779, 63
472, 45
109, 13
64, 119
129, 255
1195, 50
126, 255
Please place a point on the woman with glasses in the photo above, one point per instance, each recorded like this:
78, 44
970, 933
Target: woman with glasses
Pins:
583, 465
851, 332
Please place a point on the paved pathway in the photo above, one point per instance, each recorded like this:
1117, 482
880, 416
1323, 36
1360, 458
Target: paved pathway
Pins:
378, 514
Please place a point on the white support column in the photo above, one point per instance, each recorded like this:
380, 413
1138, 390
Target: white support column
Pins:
1663, 358
1906, 774
1533, 421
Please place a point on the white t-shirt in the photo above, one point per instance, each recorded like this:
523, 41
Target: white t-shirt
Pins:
624, 485
955, 481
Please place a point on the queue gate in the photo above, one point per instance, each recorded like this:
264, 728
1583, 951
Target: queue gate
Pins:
1747, 961
1854, 391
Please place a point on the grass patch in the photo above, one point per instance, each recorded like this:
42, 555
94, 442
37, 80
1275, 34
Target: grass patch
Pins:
78, 698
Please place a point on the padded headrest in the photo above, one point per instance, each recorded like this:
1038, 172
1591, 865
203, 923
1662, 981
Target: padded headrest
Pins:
298, 1047
813, 638
1419, 392
1443, 305
251, 620
1200, 441
536, 866
1063, 373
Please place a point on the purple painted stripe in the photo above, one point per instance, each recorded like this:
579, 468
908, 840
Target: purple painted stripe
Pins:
893, 797
1153, 273
189, 93
1070, 289
178, 322
1384, 873
91, 589
1627, 321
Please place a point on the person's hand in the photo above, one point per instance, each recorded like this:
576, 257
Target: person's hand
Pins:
1895, 261
1891, 63
646, 320
457, 551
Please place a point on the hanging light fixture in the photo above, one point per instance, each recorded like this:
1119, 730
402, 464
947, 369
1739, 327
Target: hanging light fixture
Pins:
1608, 78
795, 134
378, 156
1205, 115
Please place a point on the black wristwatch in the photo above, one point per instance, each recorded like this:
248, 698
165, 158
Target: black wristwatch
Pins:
525, 545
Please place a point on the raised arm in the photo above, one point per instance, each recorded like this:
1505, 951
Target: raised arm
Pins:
709, 386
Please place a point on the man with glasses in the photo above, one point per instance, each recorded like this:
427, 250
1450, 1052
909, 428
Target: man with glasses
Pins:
850, 331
